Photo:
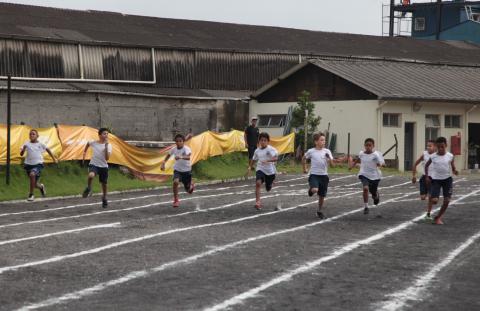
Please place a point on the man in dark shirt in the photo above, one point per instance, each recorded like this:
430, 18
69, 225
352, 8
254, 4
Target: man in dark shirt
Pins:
251, 137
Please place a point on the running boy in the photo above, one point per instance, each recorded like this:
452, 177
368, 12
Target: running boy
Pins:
320, 158
182, 169
34, 162
266, 156
438, 168
424, 190
98, 165
370, 174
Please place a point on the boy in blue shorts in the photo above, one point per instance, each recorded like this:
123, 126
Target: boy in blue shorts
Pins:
182, 169
438, 168
34, 162
370, 174
320, 158
266, 156
98, 165
424, 189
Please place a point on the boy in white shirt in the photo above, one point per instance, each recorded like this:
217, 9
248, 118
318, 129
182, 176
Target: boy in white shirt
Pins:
370, 174
266, 156
438, 168
34, 162
424, 190
182, 169
98, 165
320, 158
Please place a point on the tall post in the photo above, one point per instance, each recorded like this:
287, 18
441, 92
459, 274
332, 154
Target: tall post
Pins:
439, 19
306, 131
9, 125
391, 21
348, 149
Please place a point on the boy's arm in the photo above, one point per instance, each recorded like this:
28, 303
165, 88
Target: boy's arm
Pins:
454, 168
22, 150
85, 151
354, 162
162, 167
107, 152
330, 161
414, 169
427, 166
304, 165
250, 164
51, 155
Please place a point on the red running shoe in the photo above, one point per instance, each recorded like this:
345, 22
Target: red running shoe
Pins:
176, 203
192, 188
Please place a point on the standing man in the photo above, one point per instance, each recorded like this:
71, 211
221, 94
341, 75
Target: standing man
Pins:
251, 137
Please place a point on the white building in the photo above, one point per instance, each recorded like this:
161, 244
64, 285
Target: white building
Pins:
376, 98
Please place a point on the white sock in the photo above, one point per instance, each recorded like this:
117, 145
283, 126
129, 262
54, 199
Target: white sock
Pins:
366, 205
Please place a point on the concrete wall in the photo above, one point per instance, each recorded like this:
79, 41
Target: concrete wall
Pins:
130, 117
364, 118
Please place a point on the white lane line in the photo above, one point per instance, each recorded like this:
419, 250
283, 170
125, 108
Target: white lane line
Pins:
285, 277
137, 198
418, 291
188, 260
359, 182
47, 235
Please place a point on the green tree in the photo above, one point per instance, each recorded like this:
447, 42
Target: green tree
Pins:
298, 120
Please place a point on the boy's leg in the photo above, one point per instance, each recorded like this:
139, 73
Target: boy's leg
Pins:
423, 188
103, 176
32, 183
313, 184
322, 193
260, 179
365, 184
447, 194
373, 188
176, 182
269, 179
92, 172
187, 182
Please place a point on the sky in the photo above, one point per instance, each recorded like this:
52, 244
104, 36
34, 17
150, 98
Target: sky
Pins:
352, 16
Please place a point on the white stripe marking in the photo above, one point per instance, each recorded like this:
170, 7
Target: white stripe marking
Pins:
188, 260
417, 291
238, 299
111, 225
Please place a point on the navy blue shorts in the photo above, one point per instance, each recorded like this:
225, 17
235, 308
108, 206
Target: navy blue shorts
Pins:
424, 189
446, 185
319, 182
267, 179
371, 184
251, 151
101, 172
37, 169
184, 177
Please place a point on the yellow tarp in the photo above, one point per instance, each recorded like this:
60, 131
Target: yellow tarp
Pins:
20, 135
74, 138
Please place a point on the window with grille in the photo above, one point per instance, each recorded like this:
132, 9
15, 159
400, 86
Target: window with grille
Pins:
452, 121
432, 127
420, 24
391, 119
277, 120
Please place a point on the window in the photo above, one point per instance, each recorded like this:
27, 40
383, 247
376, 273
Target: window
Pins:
452, 121
432, 127
391, 119
420, 24
276, 120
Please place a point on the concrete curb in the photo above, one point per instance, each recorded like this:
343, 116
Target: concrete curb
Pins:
206, 183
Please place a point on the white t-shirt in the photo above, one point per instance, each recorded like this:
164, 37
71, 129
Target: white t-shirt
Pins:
368, 164
34, 152
319, 160
98, 155
181, 165
263, 155
440, 166
426, 157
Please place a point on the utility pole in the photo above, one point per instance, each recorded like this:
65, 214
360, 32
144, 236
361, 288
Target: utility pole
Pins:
306, 130
9, 125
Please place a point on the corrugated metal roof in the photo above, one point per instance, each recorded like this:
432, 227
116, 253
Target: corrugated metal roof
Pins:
125, 89
407, 80
397, 80
24, 21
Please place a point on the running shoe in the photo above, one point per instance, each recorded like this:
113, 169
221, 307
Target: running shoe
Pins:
86, 192
321, 215
376, 200
176, 203
310, 192
43, 191
366, 210
428, 218
104, 203
258, 205
31, 198
192, 188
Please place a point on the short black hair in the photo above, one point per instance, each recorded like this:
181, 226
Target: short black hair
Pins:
34, 130
441, 140
101, 130
317, 136
431, 141
369, 140
179, 136
264, 135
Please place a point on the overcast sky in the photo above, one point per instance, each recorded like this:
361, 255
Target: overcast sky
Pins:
354, 16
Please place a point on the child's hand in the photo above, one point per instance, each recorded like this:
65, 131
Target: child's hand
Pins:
162, 167
305, 171
414, 179
428, 181
55, 160
455, 172
178, 158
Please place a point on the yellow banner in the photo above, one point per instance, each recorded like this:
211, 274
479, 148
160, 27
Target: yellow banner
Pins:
20, 135
68, 142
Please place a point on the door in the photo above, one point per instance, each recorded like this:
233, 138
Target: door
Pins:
473, 144
409, 147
